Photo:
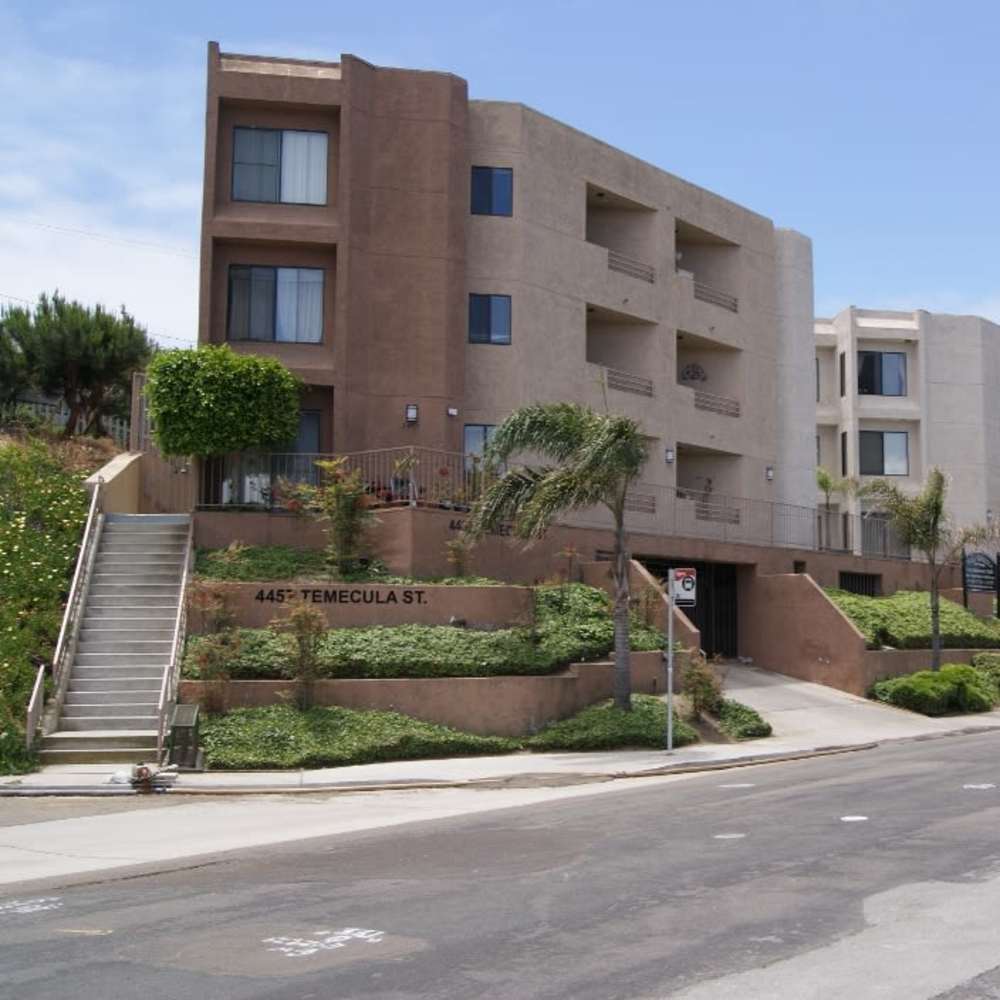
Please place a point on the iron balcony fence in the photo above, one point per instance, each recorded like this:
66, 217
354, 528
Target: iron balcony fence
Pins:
625, 264
716, 404
715, 297
426, 477
627, 382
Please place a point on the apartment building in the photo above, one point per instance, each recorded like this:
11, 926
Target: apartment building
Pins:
900, 392
427, 264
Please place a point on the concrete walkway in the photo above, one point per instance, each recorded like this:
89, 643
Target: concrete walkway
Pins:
805, 718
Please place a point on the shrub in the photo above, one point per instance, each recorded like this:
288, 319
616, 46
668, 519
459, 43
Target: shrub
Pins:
703, 687
305, 625
903, 621
953, 688
43, 507
741, 722
988, 664
605, 727
210, 400
279, 736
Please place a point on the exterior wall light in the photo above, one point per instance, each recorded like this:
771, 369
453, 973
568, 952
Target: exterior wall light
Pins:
452, 411
769, 472
668, 454
411, 413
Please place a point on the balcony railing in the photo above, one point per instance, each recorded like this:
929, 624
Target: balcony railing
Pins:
627, 382
625, 264
716, 404
712, 295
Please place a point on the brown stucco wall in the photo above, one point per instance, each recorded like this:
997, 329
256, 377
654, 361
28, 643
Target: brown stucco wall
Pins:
346, 605
121, 483
501, 706
981, 605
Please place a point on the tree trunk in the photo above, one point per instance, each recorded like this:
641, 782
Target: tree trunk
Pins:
622, 676
935, 620
72, 420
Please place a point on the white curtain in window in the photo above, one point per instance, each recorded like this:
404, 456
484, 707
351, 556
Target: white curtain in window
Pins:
303, 167
300, 305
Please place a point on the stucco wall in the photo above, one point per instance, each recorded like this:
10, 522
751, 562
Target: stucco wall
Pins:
346, 605
501, 706
122, 480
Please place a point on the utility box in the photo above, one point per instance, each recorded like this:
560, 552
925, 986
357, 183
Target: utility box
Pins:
183, 740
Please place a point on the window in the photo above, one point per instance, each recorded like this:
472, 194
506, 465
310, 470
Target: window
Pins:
492, 191
477, 437
843, 374
279, 165
798, 566
881, 373
867, 584
843, 453
275, 303
818, 462
489, 319
884, 453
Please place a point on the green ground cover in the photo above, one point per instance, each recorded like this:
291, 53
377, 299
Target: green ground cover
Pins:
266, 563
43, 507
903, 621
282, 737
572, 624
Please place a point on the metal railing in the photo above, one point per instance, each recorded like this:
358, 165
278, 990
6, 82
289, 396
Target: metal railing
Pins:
627, 382
715, 297
624, 264
392, 477
716, 404
62, 656
833, 531
880, 540
171, 676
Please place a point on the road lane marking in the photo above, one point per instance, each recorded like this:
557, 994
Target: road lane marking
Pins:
853, 819
979, 788
729, 836
743, 784
21, 907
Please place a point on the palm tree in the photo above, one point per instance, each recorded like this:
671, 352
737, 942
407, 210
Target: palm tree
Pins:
922, 522
830, 484
593, 458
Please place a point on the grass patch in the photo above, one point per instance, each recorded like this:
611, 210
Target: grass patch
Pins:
266, 563
903, 621
282, 737
572, 624
955, 688
43, 507
741, 722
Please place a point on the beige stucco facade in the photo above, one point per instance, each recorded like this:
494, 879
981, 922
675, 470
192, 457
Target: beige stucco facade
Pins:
948, 411
629, 288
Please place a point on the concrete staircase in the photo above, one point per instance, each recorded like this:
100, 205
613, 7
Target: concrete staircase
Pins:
126, 634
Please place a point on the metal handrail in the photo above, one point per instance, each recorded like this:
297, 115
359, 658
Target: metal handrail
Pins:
627, 382
168, 685
624, 264
715, 403
715, 297
70, 626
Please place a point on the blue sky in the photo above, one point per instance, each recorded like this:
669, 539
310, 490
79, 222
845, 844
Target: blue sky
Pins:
871, 127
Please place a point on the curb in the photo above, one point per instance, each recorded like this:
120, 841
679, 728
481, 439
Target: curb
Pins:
525, 779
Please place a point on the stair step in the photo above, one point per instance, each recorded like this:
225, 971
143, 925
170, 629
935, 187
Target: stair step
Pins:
136, 602
118, 684
86, 704
138, 562
135, 575
168, 590
101, 739
154, 674
91, 756
107, 723
95, 644
111, 618
105, 658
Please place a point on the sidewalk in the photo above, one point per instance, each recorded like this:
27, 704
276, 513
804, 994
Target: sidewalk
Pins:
806, 718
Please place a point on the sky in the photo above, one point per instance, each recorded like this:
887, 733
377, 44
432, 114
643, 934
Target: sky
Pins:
869, 126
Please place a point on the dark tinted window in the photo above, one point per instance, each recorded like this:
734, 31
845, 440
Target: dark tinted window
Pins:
843, 374
489, 319
871, 461
256, 164
843, 453
492, 191
881, 373
251, 303
869, 373
884, 453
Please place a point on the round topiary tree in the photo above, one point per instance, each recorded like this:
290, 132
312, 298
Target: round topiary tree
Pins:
210, 400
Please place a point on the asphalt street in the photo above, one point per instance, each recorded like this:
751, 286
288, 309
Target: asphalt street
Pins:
872, 875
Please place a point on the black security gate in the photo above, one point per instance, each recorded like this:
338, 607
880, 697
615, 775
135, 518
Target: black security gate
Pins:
715, 614
979, 574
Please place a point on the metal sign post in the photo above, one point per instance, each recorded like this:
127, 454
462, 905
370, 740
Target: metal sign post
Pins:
681, 593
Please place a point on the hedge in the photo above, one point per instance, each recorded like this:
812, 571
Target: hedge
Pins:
741, 722
903, 621
956, 687
572, 624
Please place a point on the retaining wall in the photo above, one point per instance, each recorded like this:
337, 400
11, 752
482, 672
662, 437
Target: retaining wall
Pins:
498, 706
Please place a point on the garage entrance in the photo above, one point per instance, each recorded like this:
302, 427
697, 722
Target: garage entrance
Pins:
715, 614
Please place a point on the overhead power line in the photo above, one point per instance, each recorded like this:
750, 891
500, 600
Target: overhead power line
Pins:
104, 237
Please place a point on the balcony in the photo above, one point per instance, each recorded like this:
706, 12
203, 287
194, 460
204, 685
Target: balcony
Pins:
639, 385
716, 404
706, 293
624, 264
